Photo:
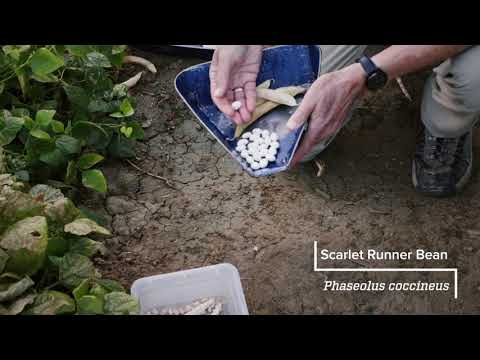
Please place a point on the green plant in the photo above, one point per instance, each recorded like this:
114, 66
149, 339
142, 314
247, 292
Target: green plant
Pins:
45, 256
62, 112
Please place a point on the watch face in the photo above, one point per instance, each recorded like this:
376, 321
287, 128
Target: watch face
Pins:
377, 80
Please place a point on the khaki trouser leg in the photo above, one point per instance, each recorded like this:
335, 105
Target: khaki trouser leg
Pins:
335, 57
451, 99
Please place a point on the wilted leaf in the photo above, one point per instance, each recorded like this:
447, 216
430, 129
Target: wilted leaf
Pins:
74, 268
17, 306
47, 193
62, 211
95, 180
119, 303
84, 226
52, 303
3, 259
26, 244
98, 59
86, 161
44, 62
16, 289
86, 246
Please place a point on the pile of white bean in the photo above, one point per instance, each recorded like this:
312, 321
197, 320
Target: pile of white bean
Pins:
258, 148
207, 306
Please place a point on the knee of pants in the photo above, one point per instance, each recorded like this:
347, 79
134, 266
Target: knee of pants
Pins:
457, 82
451, 102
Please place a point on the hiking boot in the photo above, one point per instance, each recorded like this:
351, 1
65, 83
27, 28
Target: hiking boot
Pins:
442, 166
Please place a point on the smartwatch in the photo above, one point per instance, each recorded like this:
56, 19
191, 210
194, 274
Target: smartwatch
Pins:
376, 77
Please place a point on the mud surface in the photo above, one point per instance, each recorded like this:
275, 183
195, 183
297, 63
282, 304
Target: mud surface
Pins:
267, 227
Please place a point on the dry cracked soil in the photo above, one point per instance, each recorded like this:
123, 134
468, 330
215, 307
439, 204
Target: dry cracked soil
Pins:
266, 227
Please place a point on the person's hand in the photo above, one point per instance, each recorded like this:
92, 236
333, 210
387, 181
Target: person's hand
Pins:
233, 77
327, 104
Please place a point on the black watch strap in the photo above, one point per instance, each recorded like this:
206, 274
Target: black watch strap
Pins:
368, 65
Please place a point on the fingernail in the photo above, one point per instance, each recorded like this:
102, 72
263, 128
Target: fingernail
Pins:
291, 126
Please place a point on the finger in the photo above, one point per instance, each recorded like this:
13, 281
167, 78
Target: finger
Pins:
244, 113
304, 149
222, 74
251, 96
301, 115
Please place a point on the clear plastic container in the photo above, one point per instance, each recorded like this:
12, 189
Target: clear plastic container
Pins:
185, 287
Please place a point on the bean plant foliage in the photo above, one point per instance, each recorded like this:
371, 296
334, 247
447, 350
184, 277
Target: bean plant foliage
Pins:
46, 250
63, 111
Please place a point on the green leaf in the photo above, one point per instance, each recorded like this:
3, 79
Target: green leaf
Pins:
40, 134
137, 131
79, 50
77, 96
45, 78
111, 285
52, 302
71, 173
20, 112
68, 144
95, 180
74, 268
57, 126
121, 147
119, 303
3, 260
127, 131
2, 87
45, 62
84, 226
98, 59
117, 49
91, 133
90, 305
86, 161
82, 289
28, 123
9, 128
126, 110
44, 117
53, 158
99, 290
16, 289
86, 247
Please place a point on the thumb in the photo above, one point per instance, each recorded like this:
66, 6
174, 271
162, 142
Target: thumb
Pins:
301, 115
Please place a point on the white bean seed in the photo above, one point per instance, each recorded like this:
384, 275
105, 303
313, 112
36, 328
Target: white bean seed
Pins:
236, 105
